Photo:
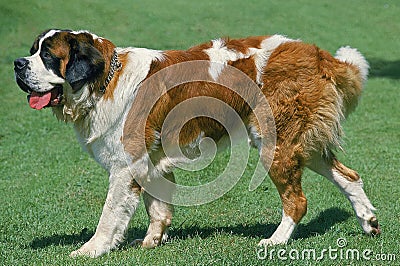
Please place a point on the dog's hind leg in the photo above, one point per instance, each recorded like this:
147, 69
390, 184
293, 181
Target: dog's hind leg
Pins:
351, 185
285, 172
160, 215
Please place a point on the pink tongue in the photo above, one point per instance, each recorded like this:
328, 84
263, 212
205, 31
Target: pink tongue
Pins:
38, 101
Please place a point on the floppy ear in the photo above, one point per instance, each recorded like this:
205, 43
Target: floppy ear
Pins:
85, 64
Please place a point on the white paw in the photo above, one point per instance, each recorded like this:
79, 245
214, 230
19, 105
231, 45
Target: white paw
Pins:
148, 242
152, 241
366, 217
370, 226
271, 242
90, 249
81, 252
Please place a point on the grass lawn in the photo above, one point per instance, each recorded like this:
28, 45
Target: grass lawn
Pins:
52, 193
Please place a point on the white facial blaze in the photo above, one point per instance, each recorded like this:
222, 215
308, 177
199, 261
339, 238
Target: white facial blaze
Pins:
39, 78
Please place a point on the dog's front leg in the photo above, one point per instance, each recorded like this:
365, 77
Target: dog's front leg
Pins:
122, 199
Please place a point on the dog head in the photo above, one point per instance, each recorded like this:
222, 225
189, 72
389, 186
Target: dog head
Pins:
61, 67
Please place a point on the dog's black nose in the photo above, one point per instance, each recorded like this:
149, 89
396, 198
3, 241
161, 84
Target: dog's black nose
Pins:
20, 63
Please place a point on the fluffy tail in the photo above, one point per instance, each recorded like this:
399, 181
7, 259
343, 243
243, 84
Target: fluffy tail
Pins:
348, 72
350, 83
354, 57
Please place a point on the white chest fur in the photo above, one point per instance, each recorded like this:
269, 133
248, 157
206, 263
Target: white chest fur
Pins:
101, 130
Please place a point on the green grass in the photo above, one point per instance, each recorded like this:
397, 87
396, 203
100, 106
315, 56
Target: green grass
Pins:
51, 193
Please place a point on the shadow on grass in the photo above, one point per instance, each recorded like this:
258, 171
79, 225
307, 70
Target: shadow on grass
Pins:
61, 240
319, 225
323, 223
73, 239
384, 68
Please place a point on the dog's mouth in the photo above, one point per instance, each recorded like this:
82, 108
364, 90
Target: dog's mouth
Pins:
48, 99
40, 100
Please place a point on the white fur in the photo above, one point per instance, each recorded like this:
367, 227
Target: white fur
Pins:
95, 37
219, 56
282, 233
353, 190
354, 57
107, 114
355, 194
105, 123
261, 56
118, 209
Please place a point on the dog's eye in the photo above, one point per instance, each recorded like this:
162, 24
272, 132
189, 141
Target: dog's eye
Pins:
47, 55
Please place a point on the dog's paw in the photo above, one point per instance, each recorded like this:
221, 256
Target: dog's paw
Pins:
152, 241
367, 219
271, 242
148, 243
376, 229
90, 249
371, 226
87, 253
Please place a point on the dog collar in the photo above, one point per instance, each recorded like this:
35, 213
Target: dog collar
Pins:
115, 65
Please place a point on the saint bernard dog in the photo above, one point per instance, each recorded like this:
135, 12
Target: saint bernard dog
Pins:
88, 81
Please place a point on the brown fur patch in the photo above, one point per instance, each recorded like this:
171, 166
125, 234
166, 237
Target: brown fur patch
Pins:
60, 48
243, 45
347, 173
306, 97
